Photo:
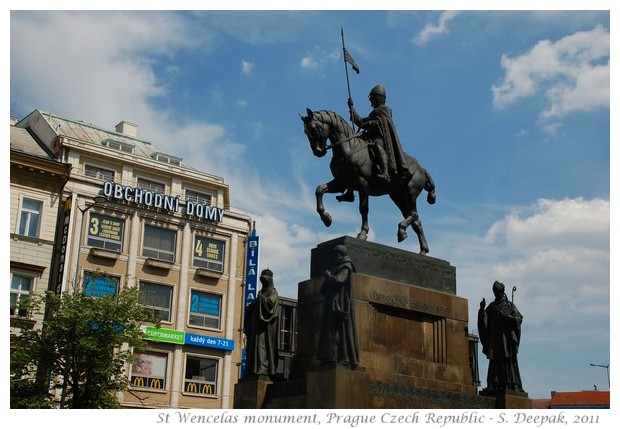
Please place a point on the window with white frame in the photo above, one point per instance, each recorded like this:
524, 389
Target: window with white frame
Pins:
157, 299
151, 185
205, 309
197, 197
288, 329
21, 286
30, 217
209, 253
120, 146
200, 375
149, 369
100, 284
105, 232
98, 173
159, 243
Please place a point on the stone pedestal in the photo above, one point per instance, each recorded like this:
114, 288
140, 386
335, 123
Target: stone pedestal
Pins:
250, 392
389, 263
411, 328
508, 399
412, 332
333, 386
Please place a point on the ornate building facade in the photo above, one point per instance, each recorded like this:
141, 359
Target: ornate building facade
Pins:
133, 216
37, 179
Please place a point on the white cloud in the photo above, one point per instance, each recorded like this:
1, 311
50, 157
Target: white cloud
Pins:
556, 246
110, 78
569, 221
589, 91
572, 73
246, 67
319, 57
433, 30
288, 256
308, 63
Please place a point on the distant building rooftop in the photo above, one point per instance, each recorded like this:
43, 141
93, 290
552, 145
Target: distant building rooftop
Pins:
583, 399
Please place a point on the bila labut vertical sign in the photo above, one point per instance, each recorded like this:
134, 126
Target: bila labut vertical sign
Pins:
251, 275
251, 270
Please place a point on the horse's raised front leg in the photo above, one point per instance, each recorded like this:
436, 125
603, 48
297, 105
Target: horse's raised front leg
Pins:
363, 207
330, 187
402, 226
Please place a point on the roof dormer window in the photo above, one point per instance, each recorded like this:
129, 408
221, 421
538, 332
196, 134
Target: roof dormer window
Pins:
168, 159
120, 146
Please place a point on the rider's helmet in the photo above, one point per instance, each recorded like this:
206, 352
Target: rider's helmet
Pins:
377, 95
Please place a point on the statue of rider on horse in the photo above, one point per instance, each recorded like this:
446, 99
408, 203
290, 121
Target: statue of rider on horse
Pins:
370, 161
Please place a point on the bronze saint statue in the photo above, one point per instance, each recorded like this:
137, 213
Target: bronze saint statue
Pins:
499, 326
261, 329
338, 338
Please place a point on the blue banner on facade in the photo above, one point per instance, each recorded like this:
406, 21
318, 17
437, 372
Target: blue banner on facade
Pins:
251, 277
212, 342
251, 272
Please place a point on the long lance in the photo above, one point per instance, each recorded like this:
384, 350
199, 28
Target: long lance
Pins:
346, 70
344, 57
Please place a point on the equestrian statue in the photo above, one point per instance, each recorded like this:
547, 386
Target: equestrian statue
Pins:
370, 162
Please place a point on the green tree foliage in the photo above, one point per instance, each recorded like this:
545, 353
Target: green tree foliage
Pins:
86, 344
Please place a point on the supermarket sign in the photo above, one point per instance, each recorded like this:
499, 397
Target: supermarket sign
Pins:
179, 337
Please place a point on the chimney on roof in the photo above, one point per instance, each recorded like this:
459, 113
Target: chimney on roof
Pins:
127, 128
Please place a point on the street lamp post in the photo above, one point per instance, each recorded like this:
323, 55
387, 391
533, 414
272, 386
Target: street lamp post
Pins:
607, 368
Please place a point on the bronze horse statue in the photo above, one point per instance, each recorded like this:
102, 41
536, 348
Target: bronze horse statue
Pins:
353, 169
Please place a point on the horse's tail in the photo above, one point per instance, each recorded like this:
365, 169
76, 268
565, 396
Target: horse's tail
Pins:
429, 186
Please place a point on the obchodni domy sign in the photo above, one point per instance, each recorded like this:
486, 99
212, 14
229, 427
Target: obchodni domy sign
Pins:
155, 200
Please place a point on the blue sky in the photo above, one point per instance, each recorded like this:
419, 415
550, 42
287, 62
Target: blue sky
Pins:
508, 110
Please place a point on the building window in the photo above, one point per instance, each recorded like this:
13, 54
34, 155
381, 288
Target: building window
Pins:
159, 243
98, 173
157, 299
99, 284
168, 159
200, 375
29, 218
197, 197
105, 232
149, 370
21, 287
205, 309
286, 328
120, 146
151, 185
209, 253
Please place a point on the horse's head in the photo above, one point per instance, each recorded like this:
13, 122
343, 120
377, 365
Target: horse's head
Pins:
317, 133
